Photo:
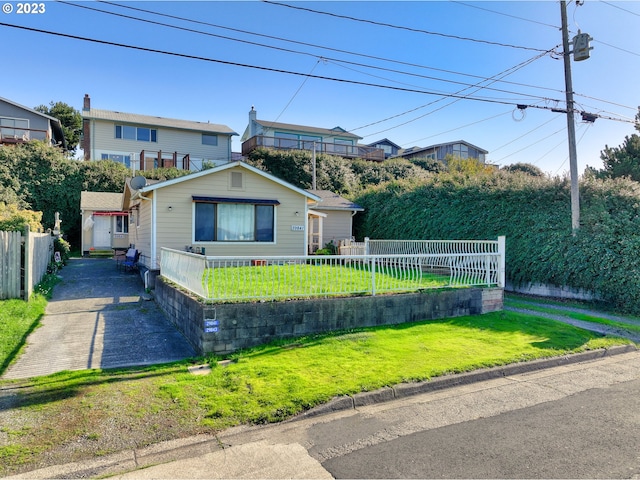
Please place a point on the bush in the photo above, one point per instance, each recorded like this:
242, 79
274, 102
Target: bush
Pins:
534, 213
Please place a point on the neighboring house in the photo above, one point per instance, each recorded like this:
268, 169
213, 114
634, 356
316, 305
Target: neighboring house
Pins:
389, 148
145, 142
331, 219
230, 210
332, 141
460, 149
19, 124
105, 225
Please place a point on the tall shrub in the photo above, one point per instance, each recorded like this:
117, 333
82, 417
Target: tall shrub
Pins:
534, 214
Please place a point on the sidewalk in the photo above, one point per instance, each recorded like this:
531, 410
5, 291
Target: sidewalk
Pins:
98, 318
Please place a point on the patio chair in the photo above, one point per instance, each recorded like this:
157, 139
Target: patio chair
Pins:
131, 260
119, 255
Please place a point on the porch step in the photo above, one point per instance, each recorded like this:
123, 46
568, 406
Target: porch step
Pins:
101, 253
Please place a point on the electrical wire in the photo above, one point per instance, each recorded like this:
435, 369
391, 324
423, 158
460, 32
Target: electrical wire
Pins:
262, 68
400, 27
334, 49
555, 27
333, 60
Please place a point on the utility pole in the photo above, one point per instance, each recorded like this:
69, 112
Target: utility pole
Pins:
573, 158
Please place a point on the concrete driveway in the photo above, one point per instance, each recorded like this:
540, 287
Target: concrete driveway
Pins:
97, 318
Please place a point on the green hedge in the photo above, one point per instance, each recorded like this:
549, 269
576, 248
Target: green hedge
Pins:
534, 213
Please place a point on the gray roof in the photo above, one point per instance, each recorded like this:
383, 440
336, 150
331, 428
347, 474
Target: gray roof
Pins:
101, 201
332, 201
336, 131
134, 118
409, 150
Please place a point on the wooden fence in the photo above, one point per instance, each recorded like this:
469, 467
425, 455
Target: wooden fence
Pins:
24, 259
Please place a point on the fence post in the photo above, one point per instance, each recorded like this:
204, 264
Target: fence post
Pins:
502, 250
372, 261
27, 262
366, 246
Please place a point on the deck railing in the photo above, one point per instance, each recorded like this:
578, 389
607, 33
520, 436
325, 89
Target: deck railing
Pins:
242, 278
346, 151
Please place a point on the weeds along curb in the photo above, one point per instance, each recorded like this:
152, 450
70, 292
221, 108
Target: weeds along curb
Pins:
402, 390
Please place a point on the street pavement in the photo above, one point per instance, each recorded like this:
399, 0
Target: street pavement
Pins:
98, 318
351, 435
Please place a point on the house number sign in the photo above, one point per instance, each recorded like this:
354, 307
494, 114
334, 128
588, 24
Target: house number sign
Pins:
297, 228
211, 325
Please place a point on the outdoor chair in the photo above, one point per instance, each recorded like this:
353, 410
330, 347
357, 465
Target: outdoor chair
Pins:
119, 255
131, 260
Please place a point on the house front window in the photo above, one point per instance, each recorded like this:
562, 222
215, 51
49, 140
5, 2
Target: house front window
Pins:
460, 150
13, 128
233, 220
125, 159
122, 224
209, 139
342, 147
140, 134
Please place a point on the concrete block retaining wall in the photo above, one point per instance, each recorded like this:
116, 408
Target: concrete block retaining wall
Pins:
225, 328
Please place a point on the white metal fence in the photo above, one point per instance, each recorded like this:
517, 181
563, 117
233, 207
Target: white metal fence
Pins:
282, 277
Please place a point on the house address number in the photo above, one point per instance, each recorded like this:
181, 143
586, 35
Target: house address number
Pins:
211, 325
297, 228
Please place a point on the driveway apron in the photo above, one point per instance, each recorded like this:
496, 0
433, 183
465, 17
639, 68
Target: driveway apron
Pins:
98, 318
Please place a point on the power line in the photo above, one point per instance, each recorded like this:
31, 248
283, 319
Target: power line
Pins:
400, 27
619, 7
255, 67
298, 52
556, 27
277, 70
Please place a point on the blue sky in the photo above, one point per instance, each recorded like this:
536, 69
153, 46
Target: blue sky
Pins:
423, 62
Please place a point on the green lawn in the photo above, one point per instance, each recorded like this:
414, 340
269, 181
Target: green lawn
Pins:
17, 320
311, 280
73, 415
556, 307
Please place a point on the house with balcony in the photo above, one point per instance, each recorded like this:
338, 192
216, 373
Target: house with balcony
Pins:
460, 149
389, 148
285, 136
19, 124
144, 142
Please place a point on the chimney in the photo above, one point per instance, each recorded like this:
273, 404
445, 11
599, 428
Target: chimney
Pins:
87, 102
252, 122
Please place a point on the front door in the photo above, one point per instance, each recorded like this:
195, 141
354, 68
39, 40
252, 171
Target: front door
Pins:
102, 231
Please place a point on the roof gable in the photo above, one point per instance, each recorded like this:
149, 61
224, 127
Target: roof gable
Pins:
227, 166
100, 201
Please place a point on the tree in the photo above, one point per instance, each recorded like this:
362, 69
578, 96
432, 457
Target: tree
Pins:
527, 168
623, 161
70, 119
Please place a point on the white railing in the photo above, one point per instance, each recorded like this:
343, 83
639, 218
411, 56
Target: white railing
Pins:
241, 278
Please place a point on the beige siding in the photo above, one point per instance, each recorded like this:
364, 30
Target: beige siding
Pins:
119, 240
175, 226
169, 141
143, 231
336, 226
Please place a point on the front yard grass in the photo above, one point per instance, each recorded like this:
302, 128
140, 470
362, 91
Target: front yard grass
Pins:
314, 280
73, 415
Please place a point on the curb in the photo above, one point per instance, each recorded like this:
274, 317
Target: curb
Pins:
385, 394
